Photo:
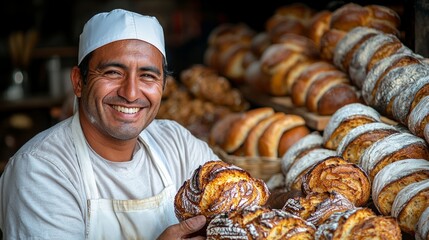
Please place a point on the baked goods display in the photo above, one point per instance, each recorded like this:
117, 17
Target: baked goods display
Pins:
358, 223
256, 222
218, 187
334, 174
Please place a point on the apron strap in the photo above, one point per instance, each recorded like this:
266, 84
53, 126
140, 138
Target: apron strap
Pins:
84, 160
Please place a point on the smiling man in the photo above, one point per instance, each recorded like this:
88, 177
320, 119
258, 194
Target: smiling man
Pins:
110, 171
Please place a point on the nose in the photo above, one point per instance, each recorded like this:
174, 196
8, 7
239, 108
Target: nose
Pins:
129, 88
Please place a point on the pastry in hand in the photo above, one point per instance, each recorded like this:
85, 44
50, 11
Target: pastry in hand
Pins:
218, 187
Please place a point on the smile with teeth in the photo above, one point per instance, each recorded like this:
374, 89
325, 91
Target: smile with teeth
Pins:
126, 110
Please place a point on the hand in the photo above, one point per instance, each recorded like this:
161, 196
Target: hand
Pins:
185, 230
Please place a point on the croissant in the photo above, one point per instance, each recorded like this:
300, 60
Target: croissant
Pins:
336, 174
218, 187
256, 222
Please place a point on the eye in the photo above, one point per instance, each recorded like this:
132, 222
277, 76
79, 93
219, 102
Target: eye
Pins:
112, 74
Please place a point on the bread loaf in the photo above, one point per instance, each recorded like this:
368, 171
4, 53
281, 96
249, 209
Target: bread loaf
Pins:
293, 178
329, 42
257, 222
336, 174
419, 117
218, 187
319, 24
316, 207
392, 148
360, 138
345, 119
393, 178
378, 227
422, 228
299, 148
409, 205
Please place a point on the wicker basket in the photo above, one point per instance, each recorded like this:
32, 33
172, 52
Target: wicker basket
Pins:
259, 167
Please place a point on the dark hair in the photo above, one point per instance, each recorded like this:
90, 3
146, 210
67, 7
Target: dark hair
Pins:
84, 68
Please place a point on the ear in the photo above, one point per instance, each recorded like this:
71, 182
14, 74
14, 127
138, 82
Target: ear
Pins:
76, 79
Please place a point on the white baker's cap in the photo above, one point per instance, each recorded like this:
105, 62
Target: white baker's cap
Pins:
119, 24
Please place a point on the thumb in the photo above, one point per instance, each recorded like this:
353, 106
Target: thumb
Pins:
193, 224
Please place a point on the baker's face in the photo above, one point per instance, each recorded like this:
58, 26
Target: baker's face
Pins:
124, 87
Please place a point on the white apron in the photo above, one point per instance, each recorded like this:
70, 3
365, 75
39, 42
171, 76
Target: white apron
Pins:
124, 219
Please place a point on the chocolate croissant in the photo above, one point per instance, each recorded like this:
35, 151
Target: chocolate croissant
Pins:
218, 187
258, 222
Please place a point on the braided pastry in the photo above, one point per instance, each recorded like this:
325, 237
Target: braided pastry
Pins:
218, 187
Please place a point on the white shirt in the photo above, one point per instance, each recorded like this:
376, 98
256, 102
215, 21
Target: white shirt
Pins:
42, 192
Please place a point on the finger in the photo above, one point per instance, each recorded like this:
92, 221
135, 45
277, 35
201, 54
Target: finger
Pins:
193, 224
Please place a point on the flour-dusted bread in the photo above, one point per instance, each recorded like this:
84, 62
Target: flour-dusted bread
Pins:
345, 119
390, 149
336, 174
422, 227
409, 205
360, 138
419, 117
393, 178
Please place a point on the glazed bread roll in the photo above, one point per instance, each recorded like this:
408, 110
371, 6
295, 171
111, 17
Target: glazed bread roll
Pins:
299, 148
218, 187
409, 205
336, 174
329, 42
281, 134
390, 149
317, 207
293, 178
256, 222
393, 178
345, 119
360, 138
359, 223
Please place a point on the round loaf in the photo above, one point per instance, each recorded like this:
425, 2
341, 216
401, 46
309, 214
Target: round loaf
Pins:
390, 149
393, 178
293, 178
217, 187
336, 174
409, 205
345, 119
360, 138
290, 137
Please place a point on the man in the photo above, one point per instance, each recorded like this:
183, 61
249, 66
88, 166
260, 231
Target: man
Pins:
110, 171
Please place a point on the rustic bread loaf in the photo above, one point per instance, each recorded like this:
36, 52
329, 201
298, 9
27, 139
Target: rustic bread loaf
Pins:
409, 205
422, 227
345, 119
293, 178
258, 222
361, 137
419, 117
216, 187
393, 178
392, 148
336, 174
319, 24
